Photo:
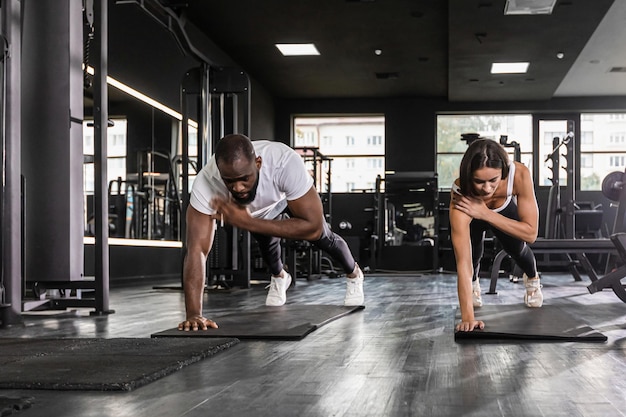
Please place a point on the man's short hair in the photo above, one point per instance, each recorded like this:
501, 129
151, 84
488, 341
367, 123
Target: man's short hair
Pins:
232, 148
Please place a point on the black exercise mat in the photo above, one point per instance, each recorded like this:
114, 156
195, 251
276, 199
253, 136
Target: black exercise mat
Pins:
518, 322
8, 405
121, 364
288, 322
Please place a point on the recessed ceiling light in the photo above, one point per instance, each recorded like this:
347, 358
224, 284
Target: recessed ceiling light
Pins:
529, 7
509, 67
297, 49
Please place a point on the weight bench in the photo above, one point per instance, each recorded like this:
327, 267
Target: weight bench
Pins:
579, 247
612, 279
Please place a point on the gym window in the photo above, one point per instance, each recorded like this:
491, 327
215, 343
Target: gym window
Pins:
507, 128
586, 138
354, 147
605, 153
116, 152
116, 159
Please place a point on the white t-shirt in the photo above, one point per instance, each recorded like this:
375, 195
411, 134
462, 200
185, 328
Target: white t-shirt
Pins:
282, 177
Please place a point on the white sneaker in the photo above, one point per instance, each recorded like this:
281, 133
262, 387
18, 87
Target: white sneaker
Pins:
476, 294
277, 295
354, 290
533, 296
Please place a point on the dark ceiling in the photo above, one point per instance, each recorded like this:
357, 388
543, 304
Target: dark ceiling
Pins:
430, 48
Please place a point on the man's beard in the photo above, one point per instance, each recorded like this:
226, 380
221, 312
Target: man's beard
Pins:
251, 194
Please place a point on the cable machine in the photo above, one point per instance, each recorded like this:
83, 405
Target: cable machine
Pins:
302, 254
407, 221
321, 171
223, 105
560, 220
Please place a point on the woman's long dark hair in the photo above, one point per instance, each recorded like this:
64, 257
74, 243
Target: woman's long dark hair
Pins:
481, 153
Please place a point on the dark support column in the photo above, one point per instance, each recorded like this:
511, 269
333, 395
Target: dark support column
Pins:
101, 115
51, 147
11, 198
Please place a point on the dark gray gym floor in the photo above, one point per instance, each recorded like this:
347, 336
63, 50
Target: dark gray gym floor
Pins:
397, 357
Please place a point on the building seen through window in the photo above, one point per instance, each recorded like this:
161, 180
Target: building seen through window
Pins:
602, 144
604, 151
354, 145
450, 146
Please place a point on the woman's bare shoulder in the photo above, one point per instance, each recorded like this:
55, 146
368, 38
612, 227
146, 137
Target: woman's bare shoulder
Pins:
522, 180
521, 171
521, 168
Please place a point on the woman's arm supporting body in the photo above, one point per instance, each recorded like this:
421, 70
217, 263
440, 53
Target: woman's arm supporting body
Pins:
464, 209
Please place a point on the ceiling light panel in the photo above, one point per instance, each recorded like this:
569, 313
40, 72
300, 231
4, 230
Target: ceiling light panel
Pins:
526, 7
297, 49
509, 67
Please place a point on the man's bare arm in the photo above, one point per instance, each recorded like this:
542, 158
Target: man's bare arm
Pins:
200, 232
305, 223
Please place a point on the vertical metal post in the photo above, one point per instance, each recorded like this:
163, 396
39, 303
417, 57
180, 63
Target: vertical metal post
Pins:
100, 113
184, 128
189, 87
570, 218
379, 223
11, 174
205, 145
555, 214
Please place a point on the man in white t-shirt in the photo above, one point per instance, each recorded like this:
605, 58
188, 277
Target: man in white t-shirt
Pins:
248, 184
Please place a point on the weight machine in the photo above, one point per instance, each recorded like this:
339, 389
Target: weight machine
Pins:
504, 141
406, 221
562, 210
614, 188
560, 218
222, 94
320, 167
155, 205
517, 152
302, 254
560, 221
561, 228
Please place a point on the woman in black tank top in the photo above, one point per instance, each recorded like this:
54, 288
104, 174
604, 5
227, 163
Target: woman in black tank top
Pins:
492, 194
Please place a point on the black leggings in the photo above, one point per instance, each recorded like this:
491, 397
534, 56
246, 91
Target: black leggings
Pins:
517, 249
330, 242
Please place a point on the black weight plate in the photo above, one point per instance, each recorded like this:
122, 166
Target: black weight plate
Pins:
612, 185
